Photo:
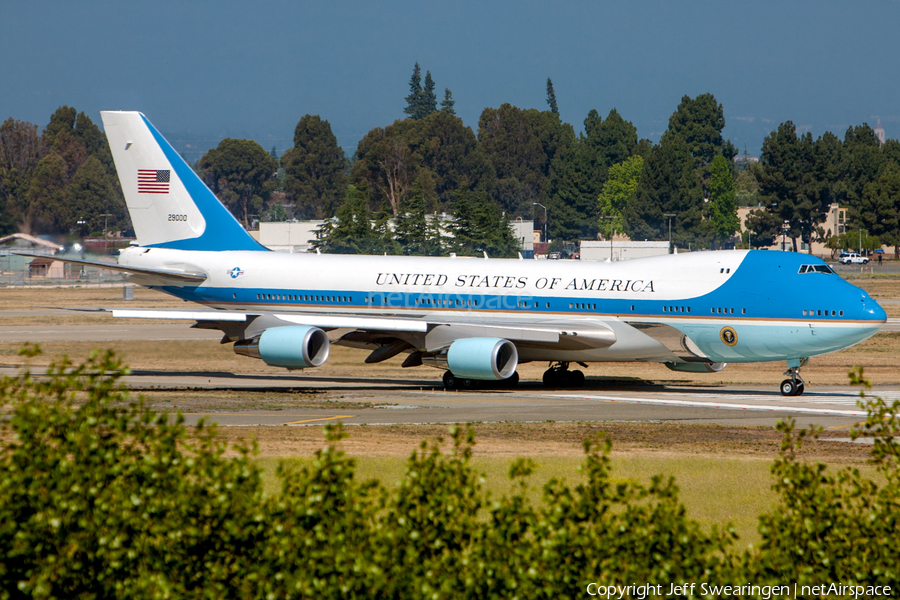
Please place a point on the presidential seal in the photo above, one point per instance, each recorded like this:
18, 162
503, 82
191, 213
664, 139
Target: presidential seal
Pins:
728, 336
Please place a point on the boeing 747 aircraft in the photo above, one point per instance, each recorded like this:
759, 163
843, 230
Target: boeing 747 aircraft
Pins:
477, 319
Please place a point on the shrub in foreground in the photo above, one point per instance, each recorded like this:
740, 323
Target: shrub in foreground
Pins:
101, 498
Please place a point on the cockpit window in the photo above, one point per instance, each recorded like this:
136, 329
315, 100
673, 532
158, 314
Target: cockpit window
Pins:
816, 269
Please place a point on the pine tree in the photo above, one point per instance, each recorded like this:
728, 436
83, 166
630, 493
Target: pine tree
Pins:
429, 100
448, 102
413, 231
421, 102
414, 100
551, 97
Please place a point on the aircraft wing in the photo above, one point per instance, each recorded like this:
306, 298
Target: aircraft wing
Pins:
439, 331
142, 274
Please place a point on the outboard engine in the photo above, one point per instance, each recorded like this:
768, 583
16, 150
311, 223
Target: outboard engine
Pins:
292, 347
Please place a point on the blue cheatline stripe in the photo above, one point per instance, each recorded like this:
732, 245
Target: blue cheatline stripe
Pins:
223, 231
714, 305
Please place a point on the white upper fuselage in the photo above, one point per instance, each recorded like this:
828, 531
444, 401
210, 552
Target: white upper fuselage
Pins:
773, 311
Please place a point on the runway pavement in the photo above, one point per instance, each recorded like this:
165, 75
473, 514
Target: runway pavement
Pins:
727, 405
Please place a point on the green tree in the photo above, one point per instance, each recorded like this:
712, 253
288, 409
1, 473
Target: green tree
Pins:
722, 206
416, 234
242, 174
764, 228
47, 201
72, 139
551, 98
21, 148
429, 99
668, 184
879, 208
351, 231
448, 102
421, 102
90, 195
618, 190
389, 160
314, 169
699, 122
521, 145
580, 169
791, 176
862, 160
480, 226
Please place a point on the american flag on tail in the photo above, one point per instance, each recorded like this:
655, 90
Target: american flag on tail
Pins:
153, 181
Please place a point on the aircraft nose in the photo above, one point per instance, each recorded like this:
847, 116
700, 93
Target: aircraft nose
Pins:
872, 311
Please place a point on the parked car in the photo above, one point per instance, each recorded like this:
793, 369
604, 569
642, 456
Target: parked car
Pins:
854, 258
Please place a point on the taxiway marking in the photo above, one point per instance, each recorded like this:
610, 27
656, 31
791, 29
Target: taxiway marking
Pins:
318, 419
720, 405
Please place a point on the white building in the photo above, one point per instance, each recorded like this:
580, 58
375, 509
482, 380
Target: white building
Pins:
299, 236
621, 250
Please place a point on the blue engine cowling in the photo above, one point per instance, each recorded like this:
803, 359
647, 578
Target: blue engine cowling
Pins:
482, 358
294, 347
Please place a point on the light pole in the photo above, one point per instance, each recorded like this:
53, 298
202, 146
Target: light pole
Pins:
861, 231
784, 228
670, 216
106, 217
546, 224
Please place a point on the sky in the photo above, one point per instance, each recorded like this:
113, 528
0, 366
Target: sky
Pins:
202, 70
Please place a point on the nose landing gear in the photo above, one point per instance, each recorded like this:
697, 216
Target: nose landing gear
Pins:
793, 386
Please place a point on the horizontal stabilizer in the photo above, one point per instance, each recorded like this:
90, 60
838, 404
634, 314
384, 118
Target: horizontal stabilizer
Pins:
182, 277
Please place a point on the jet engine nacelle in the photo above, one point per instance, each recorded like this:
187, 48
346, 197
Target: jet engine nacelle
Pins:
696, 367
292, 347
482, 358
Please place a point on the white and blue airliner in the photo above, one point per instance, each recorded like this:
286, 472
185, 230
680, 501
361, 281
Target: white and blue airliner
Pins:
475, 318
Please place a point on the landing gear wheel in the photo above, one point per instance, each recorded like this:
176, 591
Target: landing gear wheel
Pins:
512, 381
550, 378
469, 384
576, 379
450, 381
795, 385
559, 375
789, 388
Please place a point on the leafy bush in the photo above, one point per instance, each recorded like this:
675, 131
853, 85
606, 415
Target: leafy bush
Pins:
101, 498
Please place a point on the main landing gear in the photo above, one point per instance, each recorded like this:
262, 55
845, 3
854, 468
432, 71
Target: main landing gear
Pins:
793, 386
559, 375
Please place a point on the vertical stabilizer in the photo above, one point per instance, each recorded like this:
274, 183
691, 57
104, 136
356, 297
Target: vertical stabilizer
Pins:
170, 206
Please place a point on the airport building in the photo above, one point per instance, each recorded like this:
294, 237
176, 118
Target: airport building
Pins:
300, 236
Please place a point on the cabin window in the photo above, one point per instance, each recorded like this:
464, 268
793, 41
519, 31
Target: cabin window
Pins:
727, 271
743, 311
841, 314
721, 270
632, 307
